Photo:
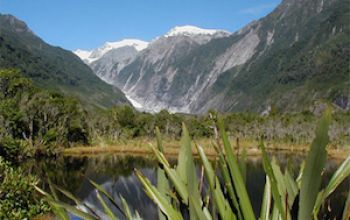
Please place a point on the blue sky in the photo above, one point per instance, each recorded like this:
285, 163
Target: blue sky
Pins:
87, 24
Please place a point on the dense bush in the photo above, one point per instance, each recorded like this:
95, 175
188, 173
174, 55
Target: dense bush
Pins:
40, 120
298, 128
221, 191
13, 150
18, 198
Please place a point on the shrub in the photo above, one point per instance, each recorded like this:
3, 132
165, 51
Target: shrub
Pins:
13, 150
18, 198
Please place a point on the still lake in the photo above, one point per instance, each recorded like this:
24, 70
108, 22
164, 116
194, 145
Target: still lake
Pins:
116, 174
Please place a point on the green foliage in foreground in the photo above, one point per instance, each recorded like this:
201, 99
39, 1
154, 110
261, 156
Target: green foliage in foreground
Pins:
33, 121
18, 198
280, 188
229, 200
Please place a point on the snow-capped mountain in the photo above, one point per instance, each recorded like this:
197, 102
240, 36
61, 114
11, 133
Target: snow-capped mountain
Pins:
111, 63
109, 60
154, 70
93, 55
121, 66
277, 60
83, 55
89, 56
189, 30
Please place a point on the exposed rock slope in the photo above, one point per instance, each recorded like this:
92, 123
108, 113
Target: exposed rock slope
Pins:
294, 56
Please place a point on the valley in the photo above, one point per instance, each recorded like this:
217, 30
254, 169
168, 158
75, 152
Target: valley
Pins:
195, 122
273, 61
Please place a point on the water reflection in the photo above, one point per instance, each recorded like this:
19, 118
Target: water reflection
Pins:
115, 174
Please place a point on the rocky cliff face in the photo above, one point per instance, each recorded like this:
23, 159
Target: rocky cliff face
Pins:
109, 59
110, 64
164, 73
296, 55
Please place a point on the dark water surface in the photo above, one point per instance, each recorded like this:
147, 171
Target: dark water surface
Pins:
116, 175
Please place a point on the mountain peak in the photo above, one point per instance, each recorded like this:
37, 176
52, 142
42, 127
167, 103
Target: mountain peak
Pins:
137, 44
11, 22
83, 54
91, 56
189, 30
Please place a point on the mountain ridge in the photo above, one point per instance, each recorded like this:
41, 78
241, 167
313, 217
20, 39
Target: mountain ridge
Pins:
293, 57
52, 67
90, 56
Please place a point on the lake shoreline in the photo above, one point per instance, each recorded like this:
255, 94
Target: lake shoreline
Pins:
171, 149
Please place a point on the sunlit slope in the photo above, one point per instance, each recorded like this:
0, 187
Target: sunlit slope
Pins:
52, 67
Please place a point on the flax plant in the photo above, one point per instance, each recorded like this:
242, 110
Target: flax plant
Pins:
180, 194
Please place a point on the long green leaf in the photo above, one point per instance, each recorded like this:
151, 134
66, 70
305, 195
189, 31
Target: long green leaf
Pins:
301, 171
75, 199
52, 189
275, 213
220, 201
162, 181
282, 188
292, 187
242, 194
109, 197
126, 208
179, 185
197, 209
274, 184
187, 170
314, 164
158, 198
346, 212
107, 209
266, 203
57, 210
137, 216
338, 177
74, 210
229, 183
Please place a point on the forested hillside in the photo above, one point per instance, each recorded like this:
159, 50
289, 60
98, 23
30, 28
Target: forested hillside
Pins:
52, 67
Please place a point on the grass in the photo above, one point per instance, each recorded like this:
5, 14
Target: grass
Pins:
140, 146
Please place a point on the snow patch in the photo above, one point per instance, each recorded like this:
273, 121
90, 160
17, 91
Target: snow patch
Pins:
189, 30
137, 44
134, 103
93, 55
83, 54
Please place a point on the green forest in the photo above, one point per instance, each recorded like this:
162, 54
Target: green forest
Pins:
38, 123
255, 121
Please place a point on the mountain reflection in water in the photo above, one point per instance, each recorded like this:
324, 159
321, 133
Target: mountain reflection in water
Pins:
115, 174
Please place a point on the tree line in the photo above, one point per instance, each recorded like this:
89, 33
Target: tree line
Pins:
38, 122
34, 121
